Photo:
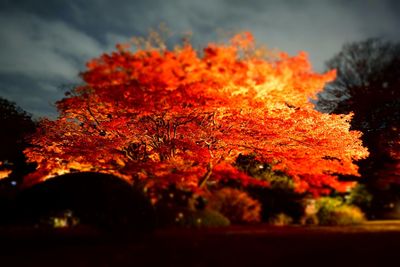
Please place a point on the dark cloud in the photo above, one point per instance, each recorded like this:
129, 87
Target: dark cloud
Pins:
45, 43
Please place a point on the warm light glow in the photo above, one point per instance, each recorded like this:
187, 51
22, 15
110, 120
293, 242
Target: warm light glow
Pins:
68, 168
4, 173
183, 116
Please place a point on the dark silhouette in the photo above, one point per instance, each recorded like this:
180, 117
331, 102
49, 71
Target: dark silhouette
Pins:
280, 197
15, 125
99, 200
368, 84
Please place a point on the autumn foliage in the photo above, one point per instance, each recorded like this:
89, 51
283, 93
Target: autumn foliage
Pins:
183, 116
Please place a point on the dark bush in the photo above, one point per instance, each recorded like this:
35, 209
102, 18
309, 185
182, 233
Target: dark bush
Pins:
101, 200
181, 208
279, 197
8, 191
276, 201
189, 218
385, 204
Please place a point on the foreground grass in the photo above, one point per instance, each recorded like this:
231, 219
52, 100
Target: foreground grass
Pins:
371, 244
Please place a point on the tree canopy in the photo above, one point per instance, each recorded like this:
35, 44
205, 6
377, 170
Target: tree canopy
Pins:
183, 116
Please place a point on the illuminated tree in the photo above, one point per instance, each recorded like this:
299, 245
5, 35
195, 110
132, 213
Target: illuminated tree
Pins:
180, 116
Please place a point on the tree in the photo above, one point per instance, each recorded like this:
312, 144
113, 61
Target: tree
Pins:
368, 85
179, 116
15, 125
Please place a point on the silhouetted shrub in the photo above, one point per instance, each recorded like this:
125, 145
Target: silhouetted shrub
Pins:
188, 218
8, 191
385, 204
182, 208
279, 197
102, 200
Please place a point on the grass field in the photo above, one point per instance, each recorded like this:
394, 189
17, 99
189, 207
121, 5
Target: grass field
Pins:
371, 244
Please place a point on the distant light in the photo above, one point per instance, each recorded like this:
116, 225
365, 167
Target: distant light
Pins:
13, 183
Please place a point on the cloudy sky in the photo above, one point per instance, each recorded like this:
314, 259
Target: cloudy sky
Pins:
44, 44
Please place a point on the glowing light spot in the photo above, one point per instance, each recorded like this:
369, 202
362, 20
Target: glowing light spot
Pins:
4, 173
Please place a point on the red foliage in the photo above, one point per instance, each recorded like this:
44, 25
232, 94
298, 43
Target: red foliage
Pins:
177, 116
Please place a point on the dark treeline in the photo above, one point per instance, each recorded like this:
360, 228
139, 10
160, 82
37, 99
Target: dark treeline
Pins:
368, 85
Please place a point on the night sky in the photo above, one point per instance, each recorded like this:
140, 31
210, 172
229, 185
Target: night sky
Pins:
44, 44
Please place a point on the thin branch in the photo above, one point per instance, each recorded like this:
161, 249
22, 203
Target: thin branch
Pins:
207, 175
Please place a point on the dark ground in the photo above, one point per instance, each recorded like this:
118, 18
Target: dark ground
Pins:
372, 244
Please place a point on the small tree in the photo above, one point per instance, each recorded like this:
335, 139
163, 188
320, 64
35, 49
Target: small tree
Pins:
177, 116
